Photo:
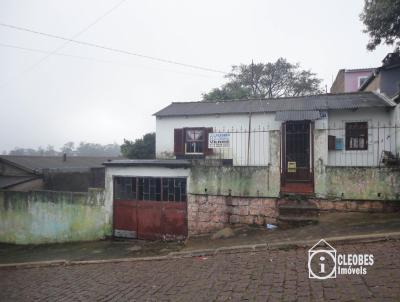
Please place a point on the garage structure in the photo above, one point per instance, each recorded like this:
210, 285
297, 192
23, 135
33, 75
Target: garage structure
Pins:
149, 198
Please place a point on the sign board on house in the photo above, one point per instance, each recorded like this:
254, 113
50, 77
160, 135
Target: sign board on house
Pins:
291, 166
219, 140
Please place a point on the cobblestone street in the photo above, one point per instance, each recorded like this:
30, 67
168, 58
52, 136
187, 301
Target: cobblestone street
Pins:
279, 275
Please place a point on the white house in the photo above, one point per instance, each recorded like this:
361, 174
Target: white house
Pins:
230, 161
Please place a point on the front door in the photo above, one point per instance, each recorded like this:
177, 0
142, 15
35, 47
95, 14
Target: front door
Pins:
297, 152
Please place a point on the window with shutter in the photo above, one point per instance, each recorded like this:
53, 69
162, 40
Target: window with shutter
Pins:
192, 141
331, 142
179, 145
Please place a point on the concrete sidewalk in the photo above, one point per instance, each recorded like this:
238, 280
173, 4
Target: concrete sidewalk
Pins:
337, 226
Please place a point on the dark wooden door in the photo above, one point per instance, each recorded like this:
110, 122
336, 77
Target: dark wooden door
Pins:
297, 151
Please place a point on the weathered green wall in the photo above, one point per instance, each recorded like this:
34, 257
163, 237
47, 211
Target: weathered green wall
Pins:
242, 181
247, 181
49, 216
370, 183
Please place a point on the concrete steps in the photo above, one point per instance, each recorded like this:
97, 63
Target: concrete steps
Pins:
297, 212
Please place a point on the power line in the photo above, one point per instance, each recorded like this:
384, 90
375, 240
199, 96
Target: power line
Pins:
112, 49
74, 36
81, 32
87, 58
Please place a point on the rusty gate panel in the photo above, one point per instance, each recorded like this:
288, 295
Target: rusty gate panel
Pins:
125, 219
175, 220
138, 215
149, 220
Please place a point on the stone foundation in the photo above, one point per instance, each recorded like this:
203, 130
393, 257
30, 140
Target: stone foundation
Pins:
357, 205
346, 205
208, 213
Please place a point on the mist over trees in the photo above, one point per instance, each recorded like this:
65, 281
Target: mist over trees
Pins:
82, 149
266, 80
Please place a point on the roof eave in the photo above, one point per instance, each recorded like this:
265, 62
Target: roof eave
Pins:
382, 96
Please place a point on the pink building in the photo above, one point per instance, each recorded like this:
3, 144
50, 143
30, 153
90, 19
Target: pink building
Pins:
350, 80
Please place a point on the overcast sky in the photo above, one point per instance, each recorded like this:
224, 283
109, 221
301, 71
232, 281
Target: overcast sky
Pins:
104, 97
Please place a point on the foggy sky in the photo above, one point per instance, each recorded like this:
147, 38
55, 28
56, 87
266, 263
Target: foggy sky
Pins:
77, 99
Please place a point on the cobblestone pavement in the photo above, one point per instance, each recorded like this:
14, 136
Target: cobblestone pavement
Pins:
279, 275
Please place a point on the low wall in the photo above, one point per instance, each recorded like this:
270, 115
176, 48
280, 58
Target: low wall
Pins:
371, 206
332, 205
367, 183
235, 180
50, 216
207, 213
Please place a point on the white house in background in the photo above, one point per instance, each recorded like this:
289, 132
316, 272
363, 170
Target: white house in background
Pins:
358, 127
231, 162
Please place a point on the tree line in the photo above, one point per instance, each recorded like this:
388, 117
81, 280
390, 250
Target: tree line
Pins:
69, 148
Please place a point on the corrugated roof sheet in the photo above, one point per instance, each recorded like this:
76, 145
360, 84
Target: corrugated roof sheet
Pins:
310, 115
316, 102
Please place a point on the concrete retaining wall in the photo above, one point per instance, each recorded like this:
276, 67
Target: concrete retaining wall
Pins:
235, 181
49, 216
367, 183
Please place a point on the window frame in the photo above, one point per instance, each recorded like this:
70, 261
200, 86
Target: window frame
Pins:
140, 188
349, 136
203, 141
360, 78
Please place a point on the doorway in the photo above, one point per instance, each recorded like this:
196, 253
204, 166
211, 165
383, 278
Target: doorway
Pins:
297, 157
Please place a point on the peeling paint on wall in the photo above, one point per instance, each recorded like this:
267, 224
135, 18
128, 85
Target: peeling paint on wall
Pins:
49, 216
235, 181
368, 183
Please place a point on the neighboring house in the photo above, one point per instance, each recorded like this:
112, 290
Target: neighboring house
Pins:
60, 173
385, 79
350, 80
233, 162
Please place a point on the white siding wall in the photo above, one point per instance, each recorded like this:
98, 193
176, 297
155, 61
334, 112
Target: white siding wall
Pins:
259, 152
378, 139
242, 151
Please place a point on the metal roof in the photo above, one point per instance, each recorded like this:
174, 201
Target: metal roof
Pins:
310, 115
40, 163
9, 181
149, 162
352, 100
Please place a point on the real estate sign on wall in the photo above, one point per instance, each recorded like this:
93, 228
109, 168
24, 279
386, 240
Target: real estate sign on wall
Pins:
219, 140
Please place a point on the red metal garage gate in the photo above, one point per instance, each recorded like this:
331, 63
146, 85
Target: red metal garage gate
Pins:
150, 207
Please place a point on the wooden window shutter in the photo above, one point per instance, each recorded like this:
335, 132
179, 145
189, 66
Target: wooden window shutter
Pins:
207, 151
331, 142
179, 144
